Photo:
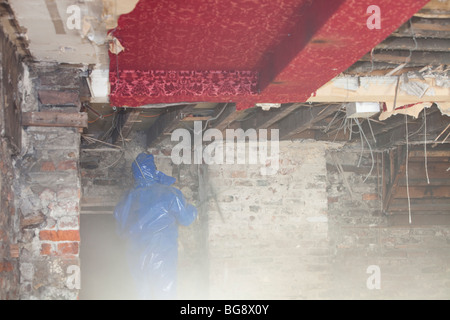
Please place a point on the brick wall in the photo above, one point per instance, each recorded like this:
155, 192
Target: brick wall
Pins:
304, 233
270, 237
49, 192
414, 261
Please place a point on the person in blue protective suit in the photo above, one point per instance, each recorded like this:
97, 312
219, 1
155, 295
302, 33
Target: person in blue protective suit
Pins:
148, 216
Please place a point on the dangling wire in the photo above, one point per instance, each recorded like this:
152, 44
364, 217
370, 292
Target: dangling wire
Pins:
406, 169
370, 148
425, 144
371, 131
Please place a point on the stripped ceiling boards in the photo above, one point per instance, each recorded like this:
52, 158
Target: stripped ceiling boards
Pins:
68, 31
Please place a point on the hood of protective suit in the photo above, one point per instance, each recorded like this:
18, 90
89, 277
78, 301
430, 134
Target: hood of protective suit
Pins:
145, 173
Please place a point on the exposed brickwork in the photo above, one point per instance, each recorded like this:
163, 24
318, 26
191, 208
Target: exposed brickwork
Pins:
414, 262
49, 197
60, 235
270, 237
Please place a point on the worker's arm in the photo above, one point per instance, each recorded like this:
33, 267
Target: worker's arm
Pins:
184, 212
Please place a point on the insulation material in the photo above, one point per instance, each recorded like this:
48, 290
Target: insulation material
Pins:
444, 107
115, 46
416, 88
411, 110
112, 9
148, 217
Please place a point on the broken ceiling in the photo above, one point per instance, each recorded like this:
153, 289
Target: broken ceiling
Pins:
246, 52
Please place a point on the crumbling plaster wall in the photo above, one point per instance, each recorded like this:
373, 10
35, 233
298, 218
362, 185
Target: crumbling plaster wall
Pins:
48, 191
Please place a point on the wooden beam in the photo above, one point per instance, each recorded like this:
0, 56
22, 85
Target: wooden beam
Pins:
425, 28
130, 118
437, 5
377, 69
423, 205
227, 117
402, 56
396, 136
393, 181
422, 192
303, 119
418, 220
264, 119
164, 125
436, 170
430, 154
55, 119
395, 43
377, 89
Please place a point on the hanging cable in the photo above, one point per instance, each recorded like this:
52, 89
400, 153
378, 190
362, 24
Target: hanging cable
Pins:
370, 148
425, 144
406, 169
362, 142
371, 131
214, 118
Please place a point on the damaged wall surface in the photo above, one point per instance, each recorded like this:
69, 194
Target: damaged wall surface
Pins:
317, 228
269, 239
313, 230
49, 194
10, 73
413, 259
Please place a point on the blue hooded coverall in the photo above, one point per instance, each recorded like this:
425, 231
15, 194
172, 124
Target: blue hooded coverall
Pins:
148, 216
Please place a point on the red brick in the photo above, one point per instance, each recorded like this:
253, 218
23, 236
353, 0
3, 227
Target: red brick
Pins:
67, 165
48, 166
239, 174
14, 250
60, 235
68, 248
370, 196
333, 199
6, 267
46, 249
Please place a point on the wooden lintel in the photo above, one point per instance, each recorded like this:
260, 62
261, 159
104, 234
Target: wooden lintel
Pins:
55, 119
